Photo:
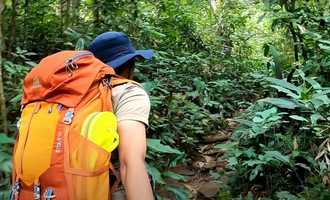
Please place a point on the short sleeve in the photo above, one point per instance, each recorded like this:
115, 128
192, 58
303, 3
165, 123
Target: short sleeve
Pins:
131, 102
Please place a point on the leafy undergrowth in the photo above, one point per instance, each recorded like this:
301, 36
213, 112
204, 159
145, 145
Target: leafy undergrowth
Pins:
278, 148
204, 178
191, 113
218, 129
224, 136
281, 147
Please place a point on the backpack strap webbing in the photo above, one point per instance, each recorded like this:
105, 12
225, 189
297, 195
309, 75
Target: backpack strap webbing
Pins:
106, 90
118, 80
106, 97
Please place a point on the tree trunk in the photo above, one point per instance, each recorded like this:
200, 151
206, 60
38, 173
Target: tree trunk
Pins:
96, 13
67, 13
295, 42
213, 5
65, 6
134, 9
296, 51
76, 4
2, 94
61, 5
75, 11
26, 21
12, 38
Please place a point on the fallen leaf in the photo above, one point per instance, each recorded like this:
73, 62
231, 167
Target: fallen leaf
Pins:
183, 170
209, 189
218, 137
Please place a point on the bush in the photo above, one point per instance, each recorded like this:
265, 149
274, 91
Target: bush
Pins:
282, 143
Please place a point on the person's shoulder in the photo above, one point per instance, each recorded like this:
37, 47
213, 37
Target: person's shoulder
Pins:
131, 102
132, 88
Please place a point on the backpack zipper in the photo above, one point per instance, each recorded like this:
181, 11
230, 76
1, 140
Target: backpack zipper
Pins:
70, 64
36, 109
78, 56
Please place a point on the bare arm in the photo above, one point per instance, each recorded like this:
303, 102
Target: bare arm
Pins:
132, 151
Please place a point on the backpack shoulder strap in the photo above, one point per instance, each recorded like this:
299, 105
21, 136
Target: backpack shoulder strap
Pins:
106, 86
119, 80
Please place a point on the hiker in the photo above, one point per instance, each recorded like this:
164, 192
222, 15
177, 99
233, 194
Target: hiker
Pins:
131, 106
73, 109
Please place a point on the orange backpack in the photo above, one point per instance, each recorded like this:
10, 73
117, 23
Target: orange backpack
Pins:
52, 158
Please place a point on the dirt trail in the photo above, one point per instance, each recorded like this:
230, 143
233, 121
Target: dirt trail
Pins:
203, 179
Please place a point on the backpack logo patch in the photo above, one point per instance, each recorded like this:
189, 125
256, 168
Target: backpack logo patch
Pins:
36, 83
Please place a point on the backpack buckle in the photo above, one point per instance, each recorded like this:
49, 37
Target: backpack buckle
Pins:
36, 191
18, 124
15, 190
68, 117
107, 81
49, 193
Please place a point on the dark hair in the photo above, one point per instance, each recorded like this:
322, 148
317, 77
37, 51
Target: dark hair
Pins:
129, 64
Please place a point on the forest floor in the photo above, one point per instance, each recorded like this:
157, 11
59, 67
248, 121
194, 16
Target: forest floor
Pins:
203, 179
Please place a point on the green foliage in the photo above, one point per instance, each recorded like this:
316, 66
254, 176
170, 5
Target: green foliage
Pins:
271, 141
5, 164
158, 151
15, 71
307, 27
204, 72
155, 145
282, 141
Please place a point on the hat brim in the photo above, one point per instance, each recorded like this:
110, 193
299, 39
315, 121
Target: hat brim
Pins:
146, 54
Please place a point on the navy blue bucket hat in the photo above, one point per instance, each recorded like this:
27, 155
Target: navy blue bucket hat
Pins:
115, 49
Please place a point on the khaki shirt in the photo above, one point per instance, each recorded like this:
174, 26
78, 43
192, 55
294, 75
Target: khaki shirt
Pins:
131, 102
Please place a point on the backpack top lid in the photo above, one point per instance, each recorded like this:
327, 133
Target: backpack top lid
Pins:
64, 77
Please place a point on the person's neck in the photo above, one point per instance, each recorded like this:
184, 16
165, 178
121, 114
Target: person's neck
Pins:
127, 73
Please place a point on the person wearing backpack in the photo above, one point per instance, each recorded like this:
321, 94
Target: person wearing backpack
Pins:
131, 106
72, 107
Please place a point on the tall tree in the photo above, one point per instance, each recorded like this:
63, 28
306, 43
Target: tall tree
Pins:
26, 21
134, 8
65, 10
96, 13
12, 39
2, 94
75, 11
61, 5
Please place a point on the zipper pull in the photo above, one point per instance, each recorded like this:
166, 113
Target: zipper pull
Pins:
59, 107
50, 109
71, 65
